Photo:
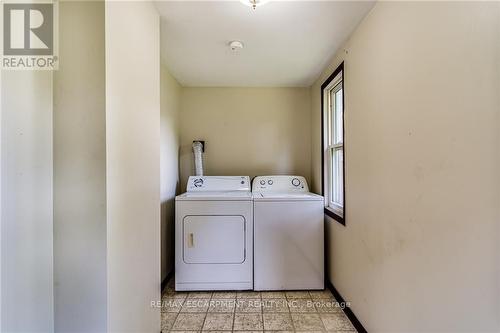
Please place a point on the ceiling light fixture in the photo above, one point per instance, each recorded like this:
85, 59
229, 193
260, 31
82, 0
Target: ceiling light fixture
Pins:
254, 3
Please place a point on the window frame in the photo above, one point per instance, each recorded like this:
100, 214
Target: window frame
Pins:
326, 146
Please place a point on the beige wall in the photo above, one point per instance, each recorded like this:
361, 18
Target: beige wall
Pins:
27, 303
420, 251
248, 131
133, 165
80, 170
170, 92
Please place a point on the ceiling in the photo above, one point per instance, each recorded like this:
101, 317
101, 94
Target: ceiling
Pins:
286, 43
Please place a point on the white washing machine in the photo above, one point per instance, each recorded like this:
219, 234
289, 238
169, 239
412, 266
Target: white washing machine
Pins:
214, 234
288, 234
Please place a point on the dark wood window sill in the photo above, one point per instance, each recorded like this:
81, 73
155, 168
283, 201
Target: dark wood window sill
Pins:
334, 216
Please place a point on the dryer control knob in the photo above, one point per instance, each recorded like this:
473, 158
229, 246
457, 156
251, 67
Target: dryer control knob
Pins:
263, 182
295, 182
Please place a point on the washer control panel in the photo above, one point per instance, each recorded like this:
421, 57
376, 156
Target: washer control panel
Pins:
279, 184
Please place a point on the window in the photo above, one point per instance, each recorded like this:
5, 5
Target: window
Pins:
332, 102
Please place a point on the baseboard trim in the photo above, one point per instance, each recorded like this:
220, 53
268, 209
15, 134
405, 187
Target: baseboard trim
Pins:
165, 280
348, 312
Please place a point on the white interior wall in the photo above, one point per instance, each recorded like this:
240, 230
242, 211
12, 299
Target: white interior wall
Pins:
80, 170
420, 251
133, 165
169, 165
248, 131
26, 194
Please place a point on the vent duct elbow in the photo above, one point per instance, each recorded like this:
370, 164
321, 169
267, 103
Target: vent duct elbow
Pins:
198, 158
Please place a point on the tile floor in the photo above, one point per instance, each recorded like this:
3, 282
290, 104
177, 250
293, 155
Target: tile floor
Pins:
249, 312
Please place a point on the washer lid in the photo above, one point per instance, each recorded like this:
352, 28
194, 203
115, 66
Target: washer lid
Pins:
215, 195
286, 196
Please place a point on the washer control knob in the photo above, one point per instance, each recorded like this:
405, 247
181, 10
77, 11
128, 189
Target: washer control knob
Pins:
262, 182
295, 182
198, 182
270, 182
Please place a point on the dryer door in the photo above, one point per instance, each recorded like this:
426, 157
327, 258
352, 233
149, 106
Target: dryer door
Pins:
214, 239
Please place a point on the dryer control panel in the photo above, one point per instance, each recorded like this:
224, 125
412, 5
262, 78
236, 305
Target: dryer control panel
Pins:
282, 184
218, 183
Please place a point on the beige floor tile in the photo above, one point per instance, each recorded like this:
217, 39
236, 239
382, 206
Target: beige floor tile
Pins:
272, 294
224, 294
248, 305
189, 321
336, 322
175, 295
280, 331
301, 305
199, 294
247, 331
247, 294
167, 320
176, 331
277, 321
222, 305
218, 322
297, 294
247, 321
319, 294
195, 305
275, 305
307, 322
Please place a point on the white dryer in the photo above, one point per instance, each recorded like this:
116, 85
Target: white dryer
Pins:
288, 234
214, 234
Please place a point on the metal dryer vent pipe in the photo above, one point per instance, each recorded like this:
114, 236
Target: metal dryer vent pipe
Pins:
198, 158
